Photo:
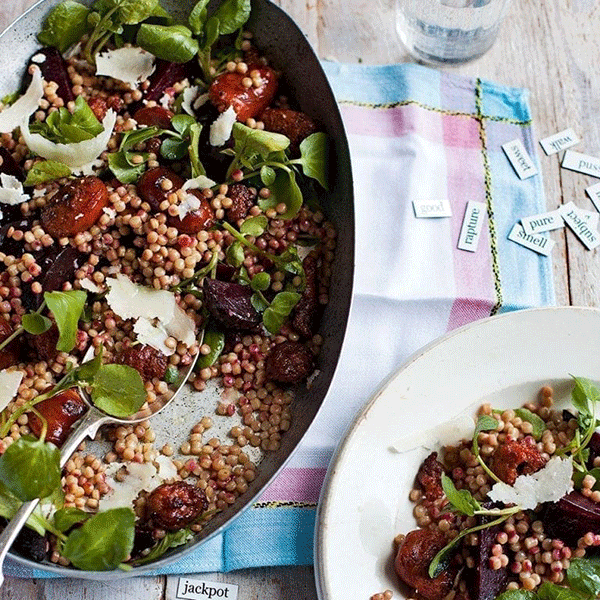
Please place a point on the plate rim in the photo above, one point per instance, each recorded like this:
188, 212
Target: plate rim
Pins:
320, 568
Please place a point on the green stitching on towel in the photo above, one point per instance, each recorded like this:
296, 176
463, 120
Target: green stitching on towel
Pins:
277, 504
488, 197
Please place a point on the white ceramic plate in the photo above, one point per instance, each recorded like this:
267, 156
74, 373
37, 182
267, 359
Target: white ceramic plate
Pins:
503, 360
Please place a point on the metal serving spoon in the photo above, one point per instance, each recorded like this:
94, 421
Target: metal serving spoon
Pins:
87, 427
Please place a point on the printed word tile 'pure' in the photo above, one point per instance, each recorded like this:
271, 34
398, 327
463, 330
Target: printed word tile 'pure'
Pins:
519, 159
536, 242
471, 226
543, 222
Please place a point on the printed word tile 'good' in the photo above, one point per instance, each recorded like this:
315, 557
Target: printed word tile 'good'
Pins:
428, 209
471, 226
559, 141
519, 159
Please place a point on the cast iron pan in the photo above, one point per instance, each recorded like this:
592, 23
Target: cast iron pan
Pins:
279, 38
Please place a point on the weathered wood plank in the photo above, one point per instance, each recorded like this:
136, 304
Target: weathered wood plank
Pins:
146, 588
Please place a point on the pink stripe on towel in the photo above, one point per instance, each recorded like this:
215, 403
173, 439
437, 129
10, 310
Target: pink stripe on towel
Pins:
295, 485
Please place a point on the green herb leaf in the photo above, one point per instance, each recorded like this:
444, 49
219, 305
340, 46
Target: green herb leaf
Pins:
461, 500
65, 25
198, 16
88, 370
259, 302
284, 190
261, 282
254, 226
442, 559
281, 307
551, 591
35, 323
103, 542
584, 575
67, 308
120, 165
216, 341
171, 374
211, 33
232, 15
182, 124
173, 42
584, 393
10, 98
267, 175
132, 138
484, 423
9, 505
44, 171
132, 12
65, 518
235, 255
250, 142
30, 468
171, 540
194, 151
118, 390
517, 595
174, 149
537, 422
314, 154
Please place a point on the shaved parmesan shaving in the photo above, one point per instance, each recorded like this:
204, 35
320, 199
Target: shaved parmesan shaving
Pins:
90, 168
90, 286
189, 94
131, 65
75, 155
40, 193
39, 59
12, 191
138, 477
189, 204
165, 101
549, 484
440, 435
25, 106
201, 100
220, 130
9, 386
152, 336
131, 301
198, 183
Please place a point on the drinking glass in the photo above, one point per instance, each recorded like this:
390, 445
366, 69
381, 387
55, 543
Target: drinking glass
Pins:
449, 31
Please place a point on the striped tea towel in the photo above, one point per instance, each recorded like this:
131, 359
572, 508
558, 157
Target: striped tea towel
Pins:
415, 134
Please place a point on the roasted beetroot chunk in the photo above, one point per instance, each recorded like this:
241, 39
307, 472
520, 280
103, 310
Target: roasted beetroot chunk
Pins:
54, 68
289, 362
172, 506
412, 564
9, 166
10, 354
306, 312
149, 363
571, 518
167, 74
229, 303
29, 544
429, 477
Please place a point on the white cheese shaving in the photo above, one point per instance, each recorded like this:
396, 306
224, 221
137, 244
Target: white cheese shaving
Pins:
189, 95
131, 65
182, 327
165, 101
25, 106
40, 193
75, 155
189, 204
198, 183
39, 59
90, 168
441, 435
90, 286
220, 130
549, 484
11, 190
153, 336
201, 100
9, 386
138, 477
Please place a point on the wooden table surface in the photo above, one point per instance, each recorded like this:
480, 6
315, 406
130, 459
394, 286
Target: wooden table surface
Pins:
553, 49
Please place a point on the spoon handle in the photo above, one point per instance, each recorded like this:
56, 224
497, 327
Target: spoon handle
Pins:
87, 426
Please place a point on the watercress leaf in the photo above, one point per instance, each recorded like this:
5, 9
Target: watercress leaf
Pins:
267, 175
173, 149
484, 423
584, 393
103, 542
461, 500
442, 559
259, 141
118, 390
81, 123
537, 422
254, 226
584, 575
197, 17
46, 170
314, 152
235, 254
182, 124
65, 518
35, 323
282, 305
168, 42
211, 33
171, 374
284, 190
30, 468
120, 165
259, 302
261, 282
10, 98
89, 369
131, 139
517, 595
132, 12
215, 340
232, 15
171, 540
272, 321
132, 161
67, 308
65, 25
194, 150
551, 591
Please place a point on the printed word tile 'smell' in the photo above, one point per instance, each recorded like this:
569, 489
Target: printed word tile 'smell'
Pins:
471, 226
559, 141
519, 159
536, 242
